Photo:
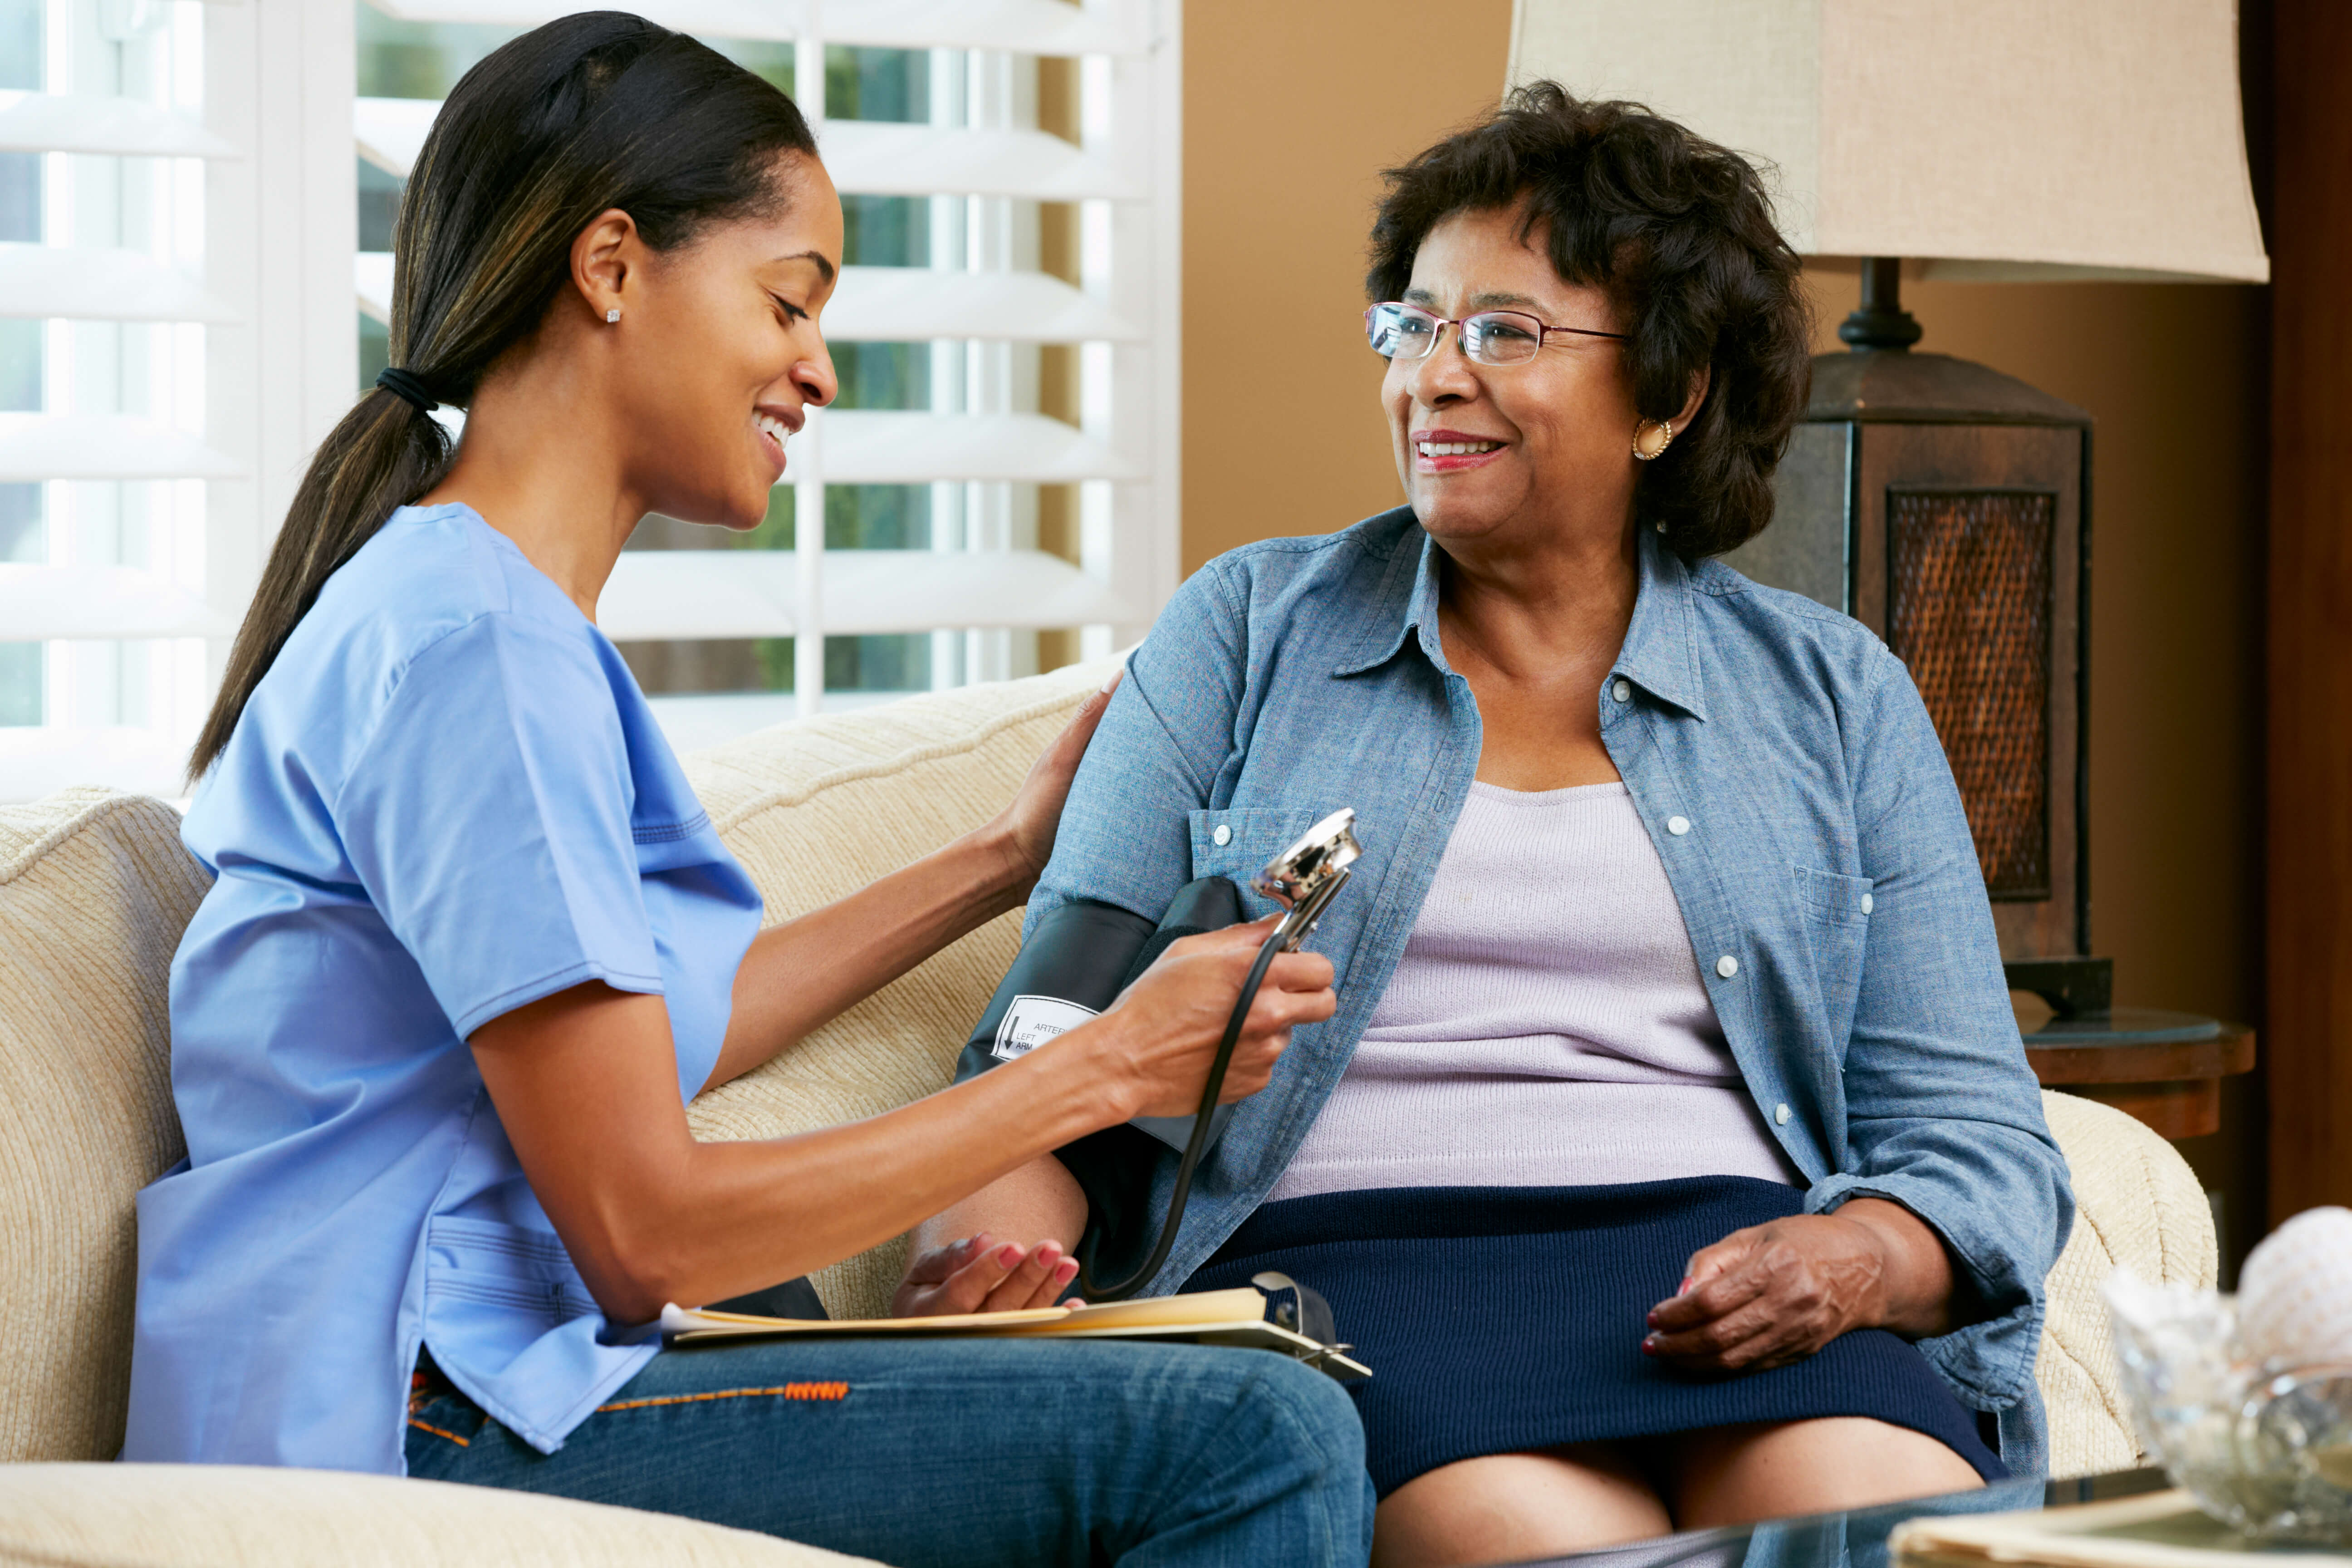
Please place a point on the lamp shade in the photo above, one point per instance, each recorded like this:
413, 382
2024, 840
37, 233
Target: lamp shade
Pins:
1990, 139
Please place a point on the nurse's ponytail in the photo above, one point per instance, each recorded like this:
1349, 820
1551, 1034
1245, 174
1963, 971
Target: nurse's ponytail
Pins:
585, 114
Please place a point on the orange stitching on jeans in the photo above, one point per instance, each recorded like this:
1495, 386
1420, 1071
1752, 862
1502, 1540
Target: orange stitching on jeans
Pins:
789, 1390
461, 1442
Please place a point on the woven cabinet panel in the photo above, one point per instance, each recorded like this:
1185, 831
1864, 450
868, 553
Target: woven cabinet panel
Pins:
1968, 611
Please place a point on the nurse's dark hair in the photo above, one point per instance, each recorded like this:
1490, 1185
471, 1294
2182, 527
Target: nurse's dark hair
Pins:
586, 114
1679, 233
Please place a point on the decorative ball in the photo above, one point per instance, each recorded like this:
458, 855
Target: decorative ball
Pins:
2294, 1294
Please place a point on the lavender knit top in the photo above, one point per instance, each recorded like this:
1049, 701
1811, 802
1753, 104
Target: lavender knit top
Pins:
1546, 1025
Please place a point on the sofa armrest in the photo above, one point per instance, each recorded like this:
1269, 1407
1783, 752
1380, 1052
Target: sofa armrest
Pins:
200, 1516
2137, 1206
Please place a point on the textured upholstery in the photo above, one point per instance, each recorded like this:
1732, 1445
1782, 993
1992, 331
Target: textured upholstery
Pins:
95, 889
818, 810
221, 1516
2137, 1206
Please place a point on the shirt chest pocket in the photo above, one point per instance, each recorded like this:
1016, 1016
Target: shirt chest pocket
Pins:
1836, 911
1238, 843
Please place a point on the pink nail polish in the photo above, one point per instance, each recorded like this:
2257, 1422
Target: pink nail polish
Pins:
1683, 1289
1008, 1256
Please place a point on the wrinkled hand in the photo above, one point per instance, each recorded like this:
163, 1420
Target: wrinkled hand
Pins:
1772, 1294
1028, 824
980, 1274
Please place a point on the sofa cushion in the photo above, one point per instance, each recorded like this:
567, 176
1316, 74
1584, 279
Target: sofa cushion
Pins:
226, 1516
2138, 1206
94, 892
816, 811
95, 889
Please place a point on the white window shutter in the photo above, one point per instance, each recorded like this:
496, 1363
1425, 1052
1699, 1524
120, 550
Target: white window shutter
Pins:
981, 162
134, 470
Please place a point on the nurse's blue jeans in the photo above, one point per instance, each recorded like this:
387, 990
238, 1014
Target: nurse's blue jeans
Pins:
973, 1452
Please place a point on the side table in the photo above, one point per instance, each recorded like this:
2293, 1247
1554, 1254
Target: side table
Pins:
2166, 1069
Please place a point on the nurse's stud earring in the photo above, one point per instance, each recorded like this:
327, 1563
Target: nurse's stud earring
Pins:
612, 315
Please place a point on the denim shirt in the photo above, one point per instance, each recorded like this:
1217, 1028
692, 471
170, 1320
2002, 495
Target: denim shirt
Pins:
1820, 856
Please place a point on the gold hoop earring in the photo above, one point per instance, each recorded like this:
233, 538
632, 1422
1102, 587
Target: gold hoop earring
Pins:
1643, 454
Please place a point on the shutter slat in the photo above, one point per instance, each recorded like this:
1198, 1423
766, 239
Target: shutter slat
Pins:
870, 447
391, 130
909, 304
684, 595
876, 158
1021, 27
42, 281
55, 122
874, 591
41, 603
371, 270
104, 446
40, 759
865, 157
905, 304
767, 19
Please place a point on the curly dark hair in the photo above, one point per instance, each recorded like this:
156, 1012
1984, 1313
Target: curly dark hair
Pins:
1679, 232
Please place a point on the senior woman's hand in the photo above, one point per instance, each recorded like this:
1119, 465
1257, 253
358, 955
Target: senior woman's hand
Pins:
1776, 1293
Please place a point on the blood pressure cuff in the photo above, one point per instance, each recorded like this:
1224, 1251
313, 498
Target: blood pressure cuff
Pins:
1075, 964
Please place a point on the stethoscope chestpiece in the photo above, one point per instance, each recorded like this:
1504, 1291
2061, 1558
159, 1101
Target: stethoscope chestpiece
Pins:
1307, 876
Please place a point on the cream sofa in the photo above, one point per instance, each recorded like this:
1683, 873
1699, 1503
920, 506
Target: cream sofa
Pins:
94, 890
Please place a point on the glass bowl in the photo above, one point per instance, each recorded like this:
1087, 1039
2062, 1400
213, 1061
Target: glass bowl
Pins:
2264, 1447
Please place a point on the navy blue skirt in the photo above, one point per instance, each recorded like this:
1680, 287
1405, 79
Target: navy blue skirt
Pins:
1501, 1320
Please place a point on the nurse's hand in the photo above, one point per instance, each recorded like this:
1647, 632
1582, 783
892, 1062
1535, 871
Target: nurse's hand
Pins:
1776, 1293
1162, 1033
983, 1273
1026, 827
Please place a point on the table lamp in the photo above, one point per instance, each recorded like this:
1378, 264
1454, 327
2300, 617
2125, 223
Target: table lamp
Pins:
1945, 505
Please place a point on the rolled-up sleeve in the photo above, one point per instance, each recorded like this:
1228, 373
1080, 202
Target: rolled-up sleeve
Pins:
1943, 1115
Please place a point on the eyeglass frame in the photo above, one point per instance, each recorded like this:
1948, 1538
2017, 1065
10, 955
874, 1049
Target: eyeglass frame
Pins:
1544, 330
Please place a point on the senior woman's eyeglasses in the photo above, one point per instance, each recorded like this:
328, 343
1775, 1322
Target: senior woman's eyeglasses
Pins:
1399, 331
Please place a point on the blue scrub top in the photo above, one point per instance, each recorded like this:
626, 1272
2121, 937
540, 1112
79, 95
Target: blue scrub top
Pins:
446, 799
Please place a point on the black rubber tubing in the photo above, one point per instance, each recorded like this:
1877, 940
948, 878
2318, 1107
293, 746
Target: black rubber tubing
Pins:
1194, 1146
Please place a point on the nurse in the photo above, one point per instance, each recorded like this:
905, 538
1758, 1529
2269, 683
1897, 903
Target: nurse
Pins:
473, 944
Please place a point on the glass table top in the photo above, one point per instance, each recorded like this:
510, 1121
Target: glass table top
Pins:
1854, 1539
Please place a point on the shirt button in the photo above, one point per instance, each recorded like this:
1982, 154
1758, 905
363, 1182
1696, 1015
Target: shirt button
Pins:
1779, 1116
1867, 902
1223, 835
1727, 966
1678, 826
1622, 692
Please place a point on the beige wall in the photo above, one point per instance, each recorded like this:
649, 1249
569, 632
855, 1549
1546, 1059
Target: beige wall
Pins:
1290, 112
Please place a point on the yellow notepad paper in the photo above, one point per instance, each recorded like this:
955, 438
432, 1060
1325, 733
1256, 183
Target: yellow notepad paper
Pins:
1207, 1316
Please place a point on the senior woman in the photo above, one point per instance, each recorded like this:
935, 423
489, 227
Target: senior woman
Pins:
1671, 1157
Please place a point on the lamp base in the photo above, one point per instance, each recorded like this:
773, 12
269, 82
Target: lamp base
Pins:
1881, 322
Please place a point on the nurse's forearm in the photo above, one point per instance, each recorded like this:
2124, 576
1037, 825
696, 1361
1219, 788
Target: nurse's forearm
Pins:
585, 1086
801, 974
860, 1185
